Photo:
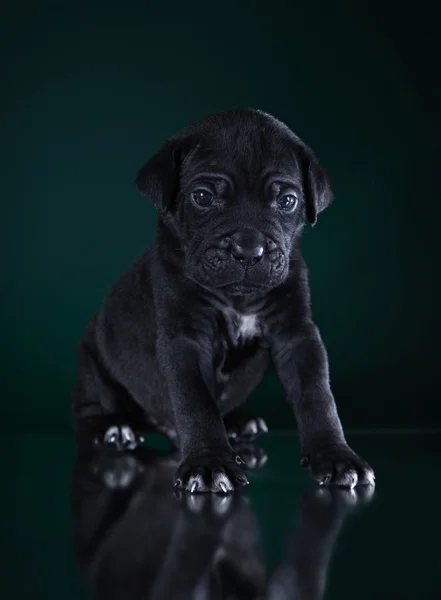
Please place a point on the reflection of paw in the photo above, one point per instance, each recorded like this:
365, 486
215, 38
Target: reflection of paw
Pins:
339, 465
212, 504
245, 429
119, 437
117, 472
323, 509
346, 497
211, 473
253, 456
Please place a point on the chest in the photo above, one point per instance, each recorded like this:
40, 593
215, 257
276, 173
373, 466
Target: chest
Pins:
238, 337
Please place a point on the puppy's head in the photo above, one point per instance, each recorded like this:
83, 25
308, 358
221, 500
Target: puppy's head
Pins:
236, 189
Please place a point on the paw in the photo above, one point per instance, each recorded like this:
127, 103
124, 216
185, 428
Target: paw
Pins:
118, 437
337, 464
246, 429
219, 473
253, 456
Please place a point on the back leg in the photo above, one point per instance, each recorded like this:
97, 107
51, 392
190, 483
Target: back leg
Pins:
103, 412
109, 423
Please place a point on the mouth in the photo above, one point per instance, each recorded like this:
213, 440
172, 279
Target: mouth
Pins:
218, 271
241, 288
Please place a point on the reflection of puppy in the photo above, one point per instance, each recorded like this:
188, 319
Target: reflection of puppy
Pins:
144, 540
187, 332
137, 539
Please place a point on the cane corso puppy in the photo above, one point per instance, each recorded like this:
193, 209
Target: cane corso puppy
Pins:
186, 333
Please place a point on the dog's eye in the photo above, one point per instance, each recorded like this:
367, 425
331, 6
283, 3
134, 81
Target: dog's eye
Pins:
203, 197
287, 203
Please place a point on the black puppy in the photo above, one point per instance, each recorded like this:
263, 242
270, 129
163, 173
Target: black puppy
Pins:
187, 331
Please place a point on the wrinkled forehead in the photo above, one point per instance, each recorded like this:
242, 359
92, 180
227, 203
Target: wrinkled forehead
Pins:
245, 159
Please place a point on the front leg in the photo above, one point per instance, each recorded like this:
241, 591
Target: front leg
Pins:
208, 463
302, 366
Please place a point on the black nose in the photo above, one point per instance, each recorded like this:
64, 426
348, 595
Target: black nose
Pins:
247, 245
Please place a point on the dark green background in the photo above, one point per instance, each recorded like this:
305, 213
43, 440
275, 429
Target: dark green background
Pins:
90, 89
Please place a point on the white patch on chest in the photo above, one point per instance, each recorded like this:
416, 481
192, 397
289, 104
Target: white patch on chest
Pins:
248, 326
241, 327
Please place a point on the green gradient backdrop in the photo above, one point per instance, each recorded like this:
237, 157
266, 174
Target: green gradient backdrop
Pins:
90, 89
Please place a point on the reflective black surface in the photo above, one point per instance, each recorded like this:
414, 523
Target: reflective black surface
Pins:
112, 527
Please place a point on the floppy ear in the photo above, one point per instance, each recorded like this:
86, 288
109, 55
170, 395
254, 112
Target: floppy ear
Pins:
158, 179
318, 192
